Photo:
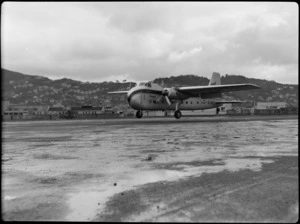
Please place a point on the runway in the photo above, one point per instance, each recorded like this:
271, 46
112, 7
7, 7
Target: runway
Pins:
152, 169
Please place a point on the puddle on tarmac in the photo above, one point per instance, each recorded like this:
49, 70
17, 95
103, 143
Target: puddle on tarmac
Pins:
9, 197
85, 204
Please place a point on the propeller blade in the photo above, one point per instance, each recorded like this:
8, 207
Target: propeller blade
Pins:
158, 99
168, 100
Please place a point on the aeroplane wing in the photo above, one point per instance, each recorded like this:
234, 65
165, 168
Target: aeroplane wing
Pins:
118, 92
196, 90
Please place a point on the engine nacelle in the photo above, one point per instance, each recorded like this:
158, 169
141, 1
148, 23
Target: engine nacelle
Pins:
174, 94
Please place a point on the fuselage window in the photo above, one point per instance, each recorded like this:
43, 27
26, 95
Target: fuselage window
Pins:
186, 102
191, 102
197, 102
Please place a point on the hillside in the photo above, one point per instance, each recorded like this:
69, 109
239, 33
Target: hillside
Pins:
20, 88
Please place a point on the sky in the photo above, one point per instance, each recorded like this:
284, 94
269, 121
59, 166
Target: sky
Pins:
141, 41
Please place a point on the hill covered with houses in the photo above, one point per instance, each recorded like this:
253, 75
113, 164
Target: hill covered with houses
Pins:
18, 88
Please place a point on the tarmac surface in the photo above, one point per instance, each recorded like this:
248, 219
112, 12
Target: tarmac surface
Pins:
195, 169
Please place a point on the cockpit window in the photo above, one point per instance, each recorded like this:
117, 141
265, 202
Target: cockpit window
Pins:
148, 84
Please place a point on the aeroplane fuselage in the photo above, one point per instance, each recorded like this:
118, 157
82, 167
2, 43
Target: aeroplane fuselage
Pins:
148, 98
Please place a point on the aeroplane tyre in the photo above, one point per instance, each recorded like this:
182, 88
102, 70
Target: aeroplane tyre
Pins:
177, 114
139, 114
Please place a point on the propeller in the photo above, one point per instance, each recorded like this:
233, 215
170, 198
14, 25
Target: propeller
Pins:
168, 100
168, 93
165, 93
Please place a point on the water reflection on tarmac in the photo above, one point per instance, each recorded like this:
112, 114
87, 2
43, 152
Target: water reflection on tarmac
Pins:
93, 160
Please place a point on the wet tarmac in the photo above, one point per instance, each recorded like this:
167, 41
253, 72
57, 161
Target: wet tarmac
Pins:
81, 170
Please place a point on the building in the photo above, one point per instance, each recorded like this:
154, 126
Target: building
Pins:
56, 111
272, 108
27, 109
87, 110
270, 105
90, 112
10, 113
5, 105
13, 112
116, 99
213, 111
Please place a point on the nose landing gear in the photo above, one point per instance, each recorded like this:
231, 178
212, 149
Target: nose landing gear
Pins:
139, 114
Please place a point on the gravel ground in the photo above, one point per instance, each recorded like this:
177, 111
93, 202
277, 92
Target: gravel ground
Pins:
154, 169
269, 195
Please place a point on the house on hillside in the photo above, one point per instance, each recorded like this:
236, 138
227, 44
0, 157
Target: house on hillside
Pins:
270, 105
87, 110
56, 111
20, 111
30, 109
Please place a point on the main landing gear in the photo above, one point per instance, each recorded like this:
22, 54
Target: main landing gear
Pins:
177, 114
139, 114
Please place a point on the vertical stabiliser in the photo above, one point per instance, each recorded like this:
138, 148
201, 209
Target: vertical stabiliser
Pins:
215, 79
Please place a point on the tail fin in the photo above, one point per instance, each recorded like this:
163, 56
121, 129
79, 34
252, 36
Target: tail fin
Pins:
215, 79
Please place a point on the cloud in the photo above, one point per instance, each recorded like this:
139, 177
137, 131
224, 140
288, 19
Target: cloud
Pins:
179, 56
91, 41
152, 44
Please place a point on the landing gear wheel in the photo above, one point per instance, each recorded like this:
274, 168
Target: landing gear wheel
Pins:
139, 114
177, 114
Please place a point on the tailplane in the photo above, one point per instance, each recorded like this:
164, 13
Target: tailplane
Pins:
215, 79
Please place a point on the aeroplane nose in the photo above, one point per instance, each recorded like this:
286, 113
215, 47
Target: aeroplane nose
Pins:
133, 102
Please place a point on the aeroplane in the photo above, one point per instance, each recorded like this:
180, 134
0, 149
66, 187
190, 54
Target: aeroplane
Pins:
150, 96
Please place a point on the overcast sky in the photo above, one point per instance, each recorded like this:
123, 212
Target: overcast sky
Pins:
137, 41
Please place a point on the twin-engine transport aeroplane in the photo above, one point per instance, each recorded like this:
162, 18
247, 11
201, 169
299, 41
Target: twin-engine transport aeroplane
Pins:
150, 96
